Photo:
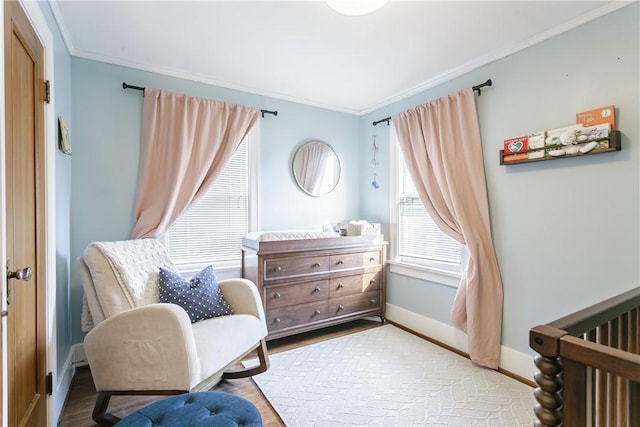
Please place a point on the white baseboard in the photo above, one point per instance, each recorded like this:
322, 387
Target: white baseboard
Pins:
74, 359
63, 385
79, 358
511, 360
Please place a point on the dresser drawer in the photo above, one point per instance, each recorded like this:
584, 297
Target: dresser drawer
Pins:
355, 260
284, 317
276, 268
295, 293
349, 285
308, 284
353, 303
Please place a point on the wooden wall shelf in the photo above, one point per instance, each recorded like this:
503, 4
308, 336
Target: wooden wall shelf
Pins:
614, 145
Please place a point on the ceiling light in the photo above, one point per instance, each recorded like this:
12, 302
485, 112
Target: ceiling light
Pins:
356, 7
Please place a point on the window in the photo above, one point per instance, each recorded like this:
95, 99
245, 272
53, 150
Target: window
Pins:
418, 240
211, 231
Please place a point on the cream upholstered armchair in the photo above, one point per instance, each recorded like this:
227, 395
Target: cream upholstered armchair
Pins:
137, 345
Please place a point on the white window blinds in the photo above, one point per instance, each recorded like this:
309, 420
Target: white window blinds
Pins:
420, 239
211, 231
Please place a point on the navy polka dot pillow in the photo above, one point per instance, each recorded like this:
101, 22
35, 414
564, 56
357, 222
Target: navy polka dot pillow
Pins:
200, 297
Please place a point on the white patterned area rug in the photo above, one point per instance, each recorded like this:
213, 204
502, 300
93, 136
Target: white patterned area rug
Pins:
388, 377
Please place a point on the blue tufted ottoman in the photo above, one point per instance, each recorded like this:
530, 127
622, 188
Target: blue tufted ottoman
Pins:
206, 408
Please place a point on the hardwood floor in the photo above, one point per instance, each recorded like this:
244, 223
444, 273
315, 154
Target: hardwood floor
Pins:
82, 396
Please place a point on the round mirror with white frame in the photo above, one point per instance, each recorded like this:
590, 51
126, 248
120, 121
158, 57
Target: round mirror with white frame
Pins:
316, 168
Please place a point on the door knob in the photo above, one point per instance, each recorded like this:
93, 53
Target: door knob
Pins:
23, 274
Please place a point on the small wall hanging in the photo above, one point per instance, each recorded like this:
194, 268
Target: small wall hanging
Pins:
374, 163
65, 137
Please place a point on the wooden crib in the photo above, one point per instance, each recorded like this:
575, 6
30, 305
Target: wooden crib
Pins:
589, 366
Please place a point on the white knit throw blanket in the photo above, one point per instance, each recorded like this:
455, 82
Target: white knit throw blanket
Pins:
136, 264
86, 320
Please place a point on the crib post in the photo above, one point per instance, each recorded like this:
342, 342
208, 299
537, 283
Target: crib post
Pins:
546, 341
548, 393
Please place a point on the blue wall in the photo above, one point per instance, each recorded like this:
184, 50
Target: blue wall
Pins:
106, 135
566, 232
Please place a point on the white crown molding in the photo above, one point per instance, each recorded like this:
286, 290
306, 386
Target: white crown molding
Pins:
440, 79
203, 79
57, 14
487, 59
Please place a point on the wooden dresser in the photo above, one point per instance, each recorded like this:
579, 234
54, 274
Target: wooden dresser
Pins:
308, 284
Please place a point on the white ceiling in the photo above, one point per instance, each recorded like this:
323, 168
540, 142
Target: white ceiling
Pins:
305, 52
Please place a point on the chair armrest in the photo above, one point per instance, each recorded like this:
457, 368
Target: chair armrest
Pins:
242, 295
145, 348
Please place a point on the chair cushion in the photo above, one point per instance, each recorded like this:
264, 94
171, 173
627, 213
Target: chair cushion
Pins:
200, 296
207, 408
234, 337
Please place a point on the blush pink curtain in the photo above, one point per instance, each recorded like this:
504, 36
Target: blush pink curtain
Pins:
186, 143
441, 145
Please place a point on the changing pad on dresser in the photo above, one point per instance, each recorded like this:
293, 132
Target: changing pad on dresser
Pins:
269, 236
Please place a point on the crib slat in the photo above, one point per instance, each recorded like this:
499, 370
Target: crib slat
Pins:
612, 380
633, 390
633, 331
601, 382
623, 344
592, 336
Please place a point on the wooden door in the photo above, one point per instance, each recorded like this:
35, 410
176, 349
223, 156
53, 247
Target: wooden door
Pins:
25, 216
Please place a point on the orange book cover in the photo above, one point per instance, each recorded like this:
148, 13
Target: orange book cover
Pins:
514, 157
598, 116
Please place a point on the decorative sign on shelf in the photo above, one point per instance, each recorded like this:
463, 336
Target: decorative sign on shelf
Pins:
593, 133
598, 116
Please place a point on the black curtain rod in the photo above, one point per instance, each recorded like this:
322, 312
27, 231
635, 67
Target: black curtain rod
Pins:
127, 86
387, 119
476, 87
481, 85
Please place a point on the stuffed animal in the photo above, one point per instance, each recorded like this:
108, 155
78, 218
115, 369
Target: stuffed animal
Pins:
568, 137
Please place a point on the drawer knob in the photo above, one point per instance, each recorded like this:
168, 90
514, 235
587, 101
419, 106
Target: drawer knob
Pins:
277, 320
340, 286
340, 307
372, 301
316, 265
372, 281
317, 289
372, 259
318, 311
277, 268
277, 295
340, 262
